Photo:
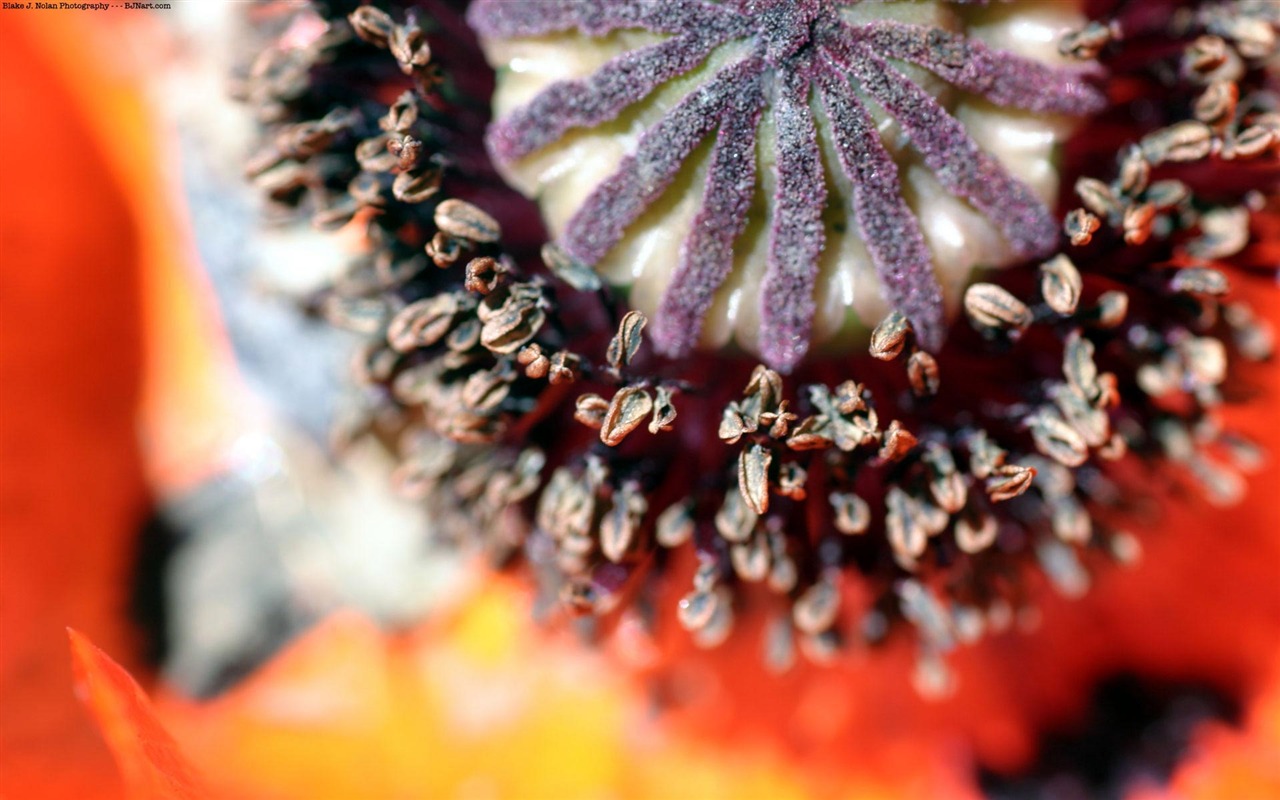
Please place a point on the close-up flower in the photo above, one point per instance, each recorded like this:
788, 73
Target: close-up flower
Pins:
642, 398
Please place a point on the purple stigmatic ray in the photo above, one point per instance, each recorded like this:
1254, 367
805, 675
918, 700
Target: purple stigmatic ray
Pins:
641, 178
950, 152
622, 82
1003, 78
891, 232
792, 44
508, 18
796, 235
707, 255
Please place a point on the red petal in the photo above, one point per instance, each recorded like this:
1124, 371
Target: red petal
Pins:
149, 759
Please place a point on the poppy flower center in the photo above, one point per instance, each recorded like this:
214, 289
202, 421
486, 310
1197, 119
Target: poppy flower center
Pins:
755, 183
771, 175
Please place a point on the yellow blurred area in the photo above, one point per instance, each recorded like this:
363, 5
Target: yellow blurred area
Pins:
474, 705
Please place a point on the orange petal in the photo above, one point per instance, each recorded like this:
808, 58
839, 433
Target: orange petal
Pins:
149, 759
71, 364
98, 328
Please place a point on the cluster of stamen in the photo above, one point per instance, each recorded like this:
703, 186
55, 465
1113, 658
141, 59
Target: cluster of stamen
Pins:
533, 415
